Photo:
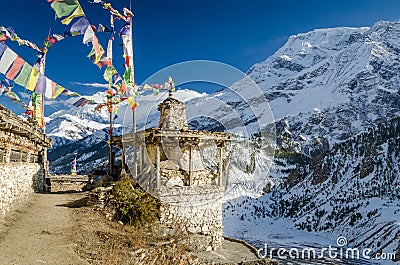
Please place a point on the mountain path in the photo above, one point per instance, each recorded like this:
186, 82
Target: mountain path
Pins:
41, 232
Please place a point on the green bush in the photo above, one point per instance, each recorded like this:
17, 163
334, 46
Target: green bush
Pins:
134, 205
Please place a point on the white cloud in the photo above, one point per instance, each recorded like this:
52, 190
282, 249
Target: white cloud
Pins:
90, 84
25, 95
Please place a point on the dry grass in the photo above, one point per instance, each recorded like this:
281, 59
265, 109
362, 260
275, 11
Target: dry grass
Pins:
100, 241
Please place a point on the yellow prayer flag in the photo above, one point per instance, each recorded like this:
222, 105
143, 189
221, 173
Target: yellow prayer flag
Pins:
57, 91
32, 81
131, 101
77, 13
99, 53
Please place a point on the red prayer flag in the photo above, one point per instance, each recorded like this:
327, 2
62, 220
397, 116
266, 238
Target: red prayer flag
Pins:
17, 65
123, 87
52, 40
127, 59
96, 46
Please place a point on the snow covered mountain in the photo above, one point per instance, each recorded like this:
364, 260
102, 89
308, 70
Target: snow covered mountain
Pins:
335, 96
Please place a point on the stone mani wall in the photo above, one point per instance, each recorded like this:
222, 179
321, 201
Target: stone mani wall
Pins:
64, 183
17, 182
22, 160
21, 171
197, 210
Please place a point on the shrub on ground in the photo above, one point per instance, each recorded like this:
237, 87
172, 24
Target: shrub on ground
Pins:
133, 204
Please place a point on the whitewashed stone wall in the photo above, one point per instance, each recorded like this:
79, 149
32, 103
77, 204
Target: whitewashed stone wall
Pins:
175, 169
63, 183
196, 209
17, 182
172, 115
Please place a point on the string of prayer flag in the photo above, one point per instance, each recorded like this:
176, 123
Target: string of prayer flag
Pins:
127, 86
23, 74
112, 11
82, 27
9, 33
5, 89
117, 85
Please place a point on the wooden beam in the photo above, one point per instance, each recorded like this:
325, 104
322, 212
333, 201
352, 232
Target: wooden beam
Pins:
190, 166
158, 176
219, 181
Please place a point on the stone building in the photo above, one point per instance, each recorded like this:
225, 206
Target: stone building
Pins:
22, 160
185, 169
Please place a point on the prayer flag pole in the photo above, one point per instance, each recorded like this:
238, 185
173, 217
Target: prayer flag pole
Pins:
131, 64
110, 132
42, 69
40, 112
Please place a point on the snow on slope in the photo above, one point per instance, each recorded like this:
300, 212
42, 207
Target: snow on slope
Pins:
349, 75
325, 87
359, 199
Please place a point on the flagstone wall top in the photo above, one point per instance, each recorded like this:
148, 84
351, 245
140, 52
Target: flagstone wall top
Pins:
10, 123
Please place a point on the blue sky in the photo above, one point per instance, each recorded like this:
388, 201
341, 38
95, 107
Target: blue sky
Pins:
237, 32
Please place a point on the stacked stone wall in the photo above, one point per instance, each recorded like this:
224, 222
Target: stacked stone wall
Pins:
23, 163
67, 183
17, 182
197, 210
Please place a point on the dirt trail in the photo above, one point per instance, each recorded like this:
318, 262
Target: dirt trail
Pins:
41, 232
63, 229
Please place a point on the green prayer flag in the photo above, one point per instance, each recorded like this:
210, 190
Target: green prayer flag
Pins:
23, 77
65, 7
94, 56
110, 71
92, 53
128, 77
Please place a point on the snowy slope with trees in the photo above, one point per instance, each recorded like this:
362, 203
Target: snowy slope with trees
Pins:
336, 99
